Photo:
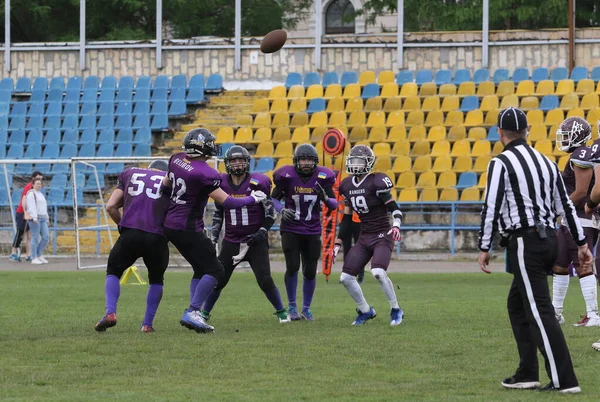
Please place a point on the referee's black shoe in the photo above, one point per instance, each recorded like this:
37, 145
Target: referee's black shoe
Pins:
520, 383
571, 390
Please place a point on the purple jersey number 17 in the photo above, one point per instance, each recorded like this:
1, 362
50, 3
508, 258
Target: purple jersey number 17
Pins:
310, 199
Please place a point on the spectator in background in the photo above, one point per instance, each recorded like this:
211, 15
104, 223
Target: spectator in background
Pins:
22, 228
37, 208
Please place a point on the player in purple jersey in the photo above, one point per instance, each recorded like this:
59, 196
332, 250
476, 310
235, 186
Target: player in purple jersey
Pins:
595, 193
246, 230
368, 194
303, 187
141, 235
189, 183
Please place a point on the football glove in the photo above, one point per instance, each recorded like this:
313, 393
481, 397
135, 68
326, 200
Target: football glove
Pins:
321, 194
395, 232
334, 253
257, 237
288, 214
258, 196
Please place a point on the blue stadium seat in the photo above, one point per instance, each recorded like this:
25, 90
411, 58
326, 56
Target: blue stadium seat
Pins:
37, 95
404, 77
51, 151
126, 82
19, 109
141, 108
316, 105
35, 123
114, 168
4, 108
89, 108
520, 74
125, 136
16, 196
481, 75
40, 84
3, 137
177, 94
141, 121
226, 147
52, 122
159, 94
71, 109
91, 82
549, 102
106, 121
466, 180
15, 151
443, 77
423, 76
56, 195
70, 122
33, 151
23, 85
87, 150
74, 83
579, 73
16, 123
159, 122
106, 108
88, 122
595, 75
142, 94
370, 91
72, 96
88, 136
69, 137
142, 150
196, 81
252, 164
90, 95
330, 77
58, 181
7, 84
462, 75
559, 73
123, 121
143, 82
2, 155
178, 108
43, 167
195, 95
311, 78
539, 74
159, 107
107, 136
35, 137
17, 137
348, 77
265, 164
105, 151
52, 137
55, 95
107, 95
92, 185
124, 95
179, 81
143, 136
124, 108
293, 79
57, 83
3, 122
109, 82
68, 151
161, 82
501, 74
5, 96
469, 103
54, 109
124, 150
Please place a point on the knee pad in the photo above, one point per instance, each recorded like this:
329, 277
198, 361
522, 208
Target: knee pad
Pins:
309, 275
379, 274
155, 279
345, 278
266, 283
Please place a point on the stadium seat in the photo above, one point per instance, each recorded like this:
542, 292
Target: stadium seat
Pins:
7, 84
409, 89
500, 75
402, 148
431, 103
397, 133
376, 119
415, 117
422, 164
333, 91
334, 105
91, 82
16, 137
520, 74
36, 109
423, 76
466, 89
545, 87
539, 74
225, 134
314, 91
437, 133
367, 77
457, 133
562, 162
373, 104
140, 150
428, 89
450, 103
392, 105
469, 103
461, 75
428, 195
509, 101
382, 149
159, 94
311, 78
337, 119
529, 103
348, 77
481, 147
126, 82
594, 75
106, 108
284, 149
35, 136
263, 134
482, 181
318, 133
477, 133
565, 87
351, 91
408, 195
214, 83
357, 118
544, 146
389, 90
446, 179
406, 179
434, 118
537, 132
370, 90
195, 95
443, 162
549, 102
51, 151
525, 88
124, 108
576, 112
40, 84
420, 148
405, 76
106, 121
264, 165
474, 118
282, 134
454, 118
570, 101
466, 180
505, 88
460, 148
385, 77
125, 136
589, 101
296, 105
300, 119
470, 195
23, 85
447, 90
426, 179
330, 77
280, 119
123, 121
554, 116
177, 81
481, 75
443, 77
300, 135
462, 164
177, 94
489, 102
412, 103
559, 73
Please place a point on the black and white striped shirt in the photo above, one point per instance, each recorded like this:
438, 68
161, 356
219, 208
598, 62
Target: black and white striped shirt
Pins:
524, 187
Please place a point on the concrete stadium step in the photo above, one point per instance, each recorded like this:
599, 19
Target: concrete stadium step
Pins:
237, 93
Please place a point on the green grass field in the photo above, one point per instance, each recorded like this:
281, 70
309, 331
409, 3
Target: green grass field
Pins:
455, 343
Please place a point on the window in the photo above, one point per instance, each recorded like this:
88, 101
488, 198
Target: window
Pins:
336, 17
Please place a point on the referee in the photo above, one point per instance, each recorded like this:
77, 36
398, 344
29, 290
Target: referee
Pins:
525, 194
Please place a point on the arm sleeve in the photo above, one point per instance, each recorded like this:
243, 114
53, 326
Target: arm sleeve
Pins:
564, 206
269, 213
217, 223
345, 226
493, 201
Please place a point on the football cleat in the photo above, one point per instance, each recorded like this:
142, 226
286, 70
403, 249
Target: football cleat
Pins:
588, 322
364, 317
193, 320
147, 329
596, 345
294, 316
514, 383
396, 316
205, 314
307, 314
283, 316
572, 390
109, 320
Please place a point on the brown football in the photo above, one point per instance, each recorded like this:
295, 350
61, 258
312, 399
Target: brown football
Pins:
273, 41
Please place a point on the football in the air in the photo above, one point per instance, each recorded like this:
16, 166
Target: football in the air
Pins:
273, 41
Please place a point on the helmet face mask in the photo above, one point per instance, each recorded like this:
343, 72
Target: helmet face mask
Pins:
572, 133
200, 142
237, 161
306, 159
360, 160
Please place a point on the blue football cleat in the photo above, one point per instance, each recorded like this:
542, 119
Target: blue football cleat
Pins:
109, 320
307, 314
192, 319
294, 316
396, 316
364, 317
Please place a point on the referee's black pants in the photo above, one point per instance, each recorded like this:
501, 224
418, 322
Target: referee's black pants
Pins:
530, 260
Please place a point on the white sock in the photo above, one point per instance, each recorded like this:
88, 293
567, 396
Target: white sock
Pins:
386, 285
560, 284
590, 295
355, 291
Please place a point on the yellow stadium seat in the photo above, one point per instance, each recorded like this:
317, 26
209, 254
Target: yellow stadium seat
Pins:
420, 148
576, 112
554, 116
434, 118
278, 105
509, 101
296, 91
243, 135
429, 195
570, 101
225, 134
593, 115
402, 148
415, 117
489, 102
301, 134
277, 92
537, 132
474, 118
354, 105
450, 103
357, 118
392, 104
409, 89
337, 119
408, 195
314, 91
297, 105
470, 194
397, 133
461, 147
535, 117
477, 133
376, 119
544, 146
417, 133
282, 134
486, 88
498, 147
481, 163
333, 91
545, 87
262, 134
318, 119
466, 88
299, 119
243, 120
525, 88
284, 149
585, 86
440, 148
281, 162
463, 164
447, 90
366, 77
373, 104
530, 102
589, 101
431, 103
447, 178
436, 133
482, 180
264, 149
262, 120
395, 118
481, 147
505, 88
422, 164
280, 119
269, 174
335, 105
449, 195
358, 133
454, 118
428, 89
402, 164
386, 77
381, 149
562, 162
382, 164
378, 134
491, 118
457, 133
565, 87
318, 132
364, 142
351, 91
443, 162
406, 179
412, 103
260, 105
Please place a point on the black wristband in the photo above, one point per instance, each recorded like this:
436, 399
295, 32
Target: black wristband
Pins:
591, 204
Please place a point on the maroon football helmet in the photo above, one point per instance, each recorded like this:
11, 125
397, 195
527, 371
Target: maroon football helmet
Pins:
360, 160
573, 132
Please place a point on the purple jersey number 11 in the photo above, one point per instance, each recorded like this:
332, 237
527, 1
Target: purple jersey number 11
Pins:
233, 215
